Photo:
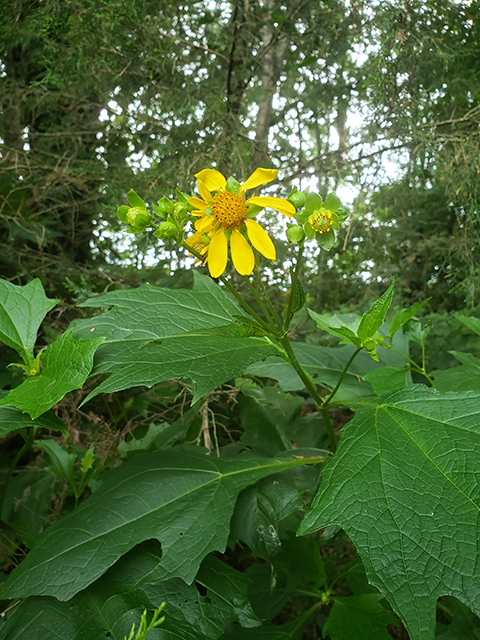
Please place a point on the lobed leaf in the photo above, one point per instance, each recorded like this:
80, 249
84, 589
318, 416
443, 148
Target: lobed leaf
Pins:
149, 313
405, 486
463, 378
206, 360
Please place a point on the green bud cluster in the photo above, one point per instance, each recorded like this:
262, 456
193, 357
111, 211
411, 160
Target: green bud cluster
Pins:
316, 219
173, 215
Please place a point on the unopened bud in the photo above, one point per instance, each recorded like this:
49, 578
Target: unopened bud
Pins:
166, 230
138, 217
295, 233
298, 199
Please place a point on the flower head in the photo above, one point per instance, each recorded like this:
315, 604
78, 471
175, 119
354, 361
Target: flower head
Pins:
321, 221
225, 217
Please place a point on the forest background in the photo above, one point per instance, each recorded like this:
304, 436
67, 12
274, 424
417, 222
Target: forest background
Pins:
375, 101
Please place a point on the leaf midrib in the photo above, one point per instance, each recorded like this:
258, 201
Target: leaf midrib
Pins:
218, 478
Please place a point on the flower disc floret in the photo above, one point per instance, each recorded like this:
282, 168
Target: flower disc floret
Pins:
321, 221
229, 209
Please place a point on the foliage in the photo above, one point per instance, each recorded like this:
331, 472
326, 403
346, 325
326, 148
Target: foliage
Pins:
167, 525
288, 451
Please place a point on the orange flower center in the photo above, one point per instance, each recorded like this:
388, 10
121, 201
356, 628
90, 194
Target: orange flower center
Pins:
321, 221
228, 208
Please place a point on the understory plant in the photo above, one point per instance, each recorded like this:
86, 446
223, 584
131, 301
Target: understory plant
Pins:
247, 485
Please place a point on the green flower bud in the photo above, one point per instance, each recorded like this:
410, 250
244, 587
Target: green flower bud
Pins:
138, 217
166, 230
295, 233
165, 205
298, 199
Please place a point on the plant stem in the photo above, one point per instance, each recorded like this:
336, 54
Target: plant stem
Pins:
244, 304
289, 314
266, 297
310, 385
344, 373
260, 302
413, 364
26, 446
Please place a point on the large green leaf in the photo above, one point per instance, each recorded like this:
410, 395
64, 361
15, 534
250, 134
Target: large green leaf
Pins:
361, 617
153, 334
117, 599
405, 486
183, 499
149, 313
206, 360
22, 310
66, 365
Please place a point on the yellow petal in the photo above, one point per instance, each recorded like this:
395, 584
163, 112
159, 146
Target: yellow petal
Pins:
242, 255
260, 239
211, 179
204, 192
204, 223
279, 204
197, 203
217, 254
193, 240
258, 177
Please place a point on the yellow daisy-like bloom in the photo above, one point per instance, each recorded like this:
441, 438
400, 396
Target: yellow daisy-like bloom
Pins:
223, 215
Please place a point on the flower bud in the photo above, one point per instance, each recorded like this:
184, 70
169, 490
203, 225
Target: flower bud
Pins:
138, 217
165, 206
298, 199
295, 233
166, 230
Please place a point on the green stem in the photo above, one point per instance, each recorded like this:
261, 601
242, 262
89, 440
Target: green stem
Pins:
261, 305
296, 273
266, 297
310, 385
413, 364
344, 373
26, 446
244, 304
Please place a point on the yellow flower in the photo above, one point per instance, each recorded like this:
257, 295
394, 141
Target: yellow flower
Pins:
224, 214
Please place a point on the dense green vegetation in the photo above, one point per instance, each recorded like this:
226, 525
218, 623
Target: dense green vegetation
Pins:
287, 453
